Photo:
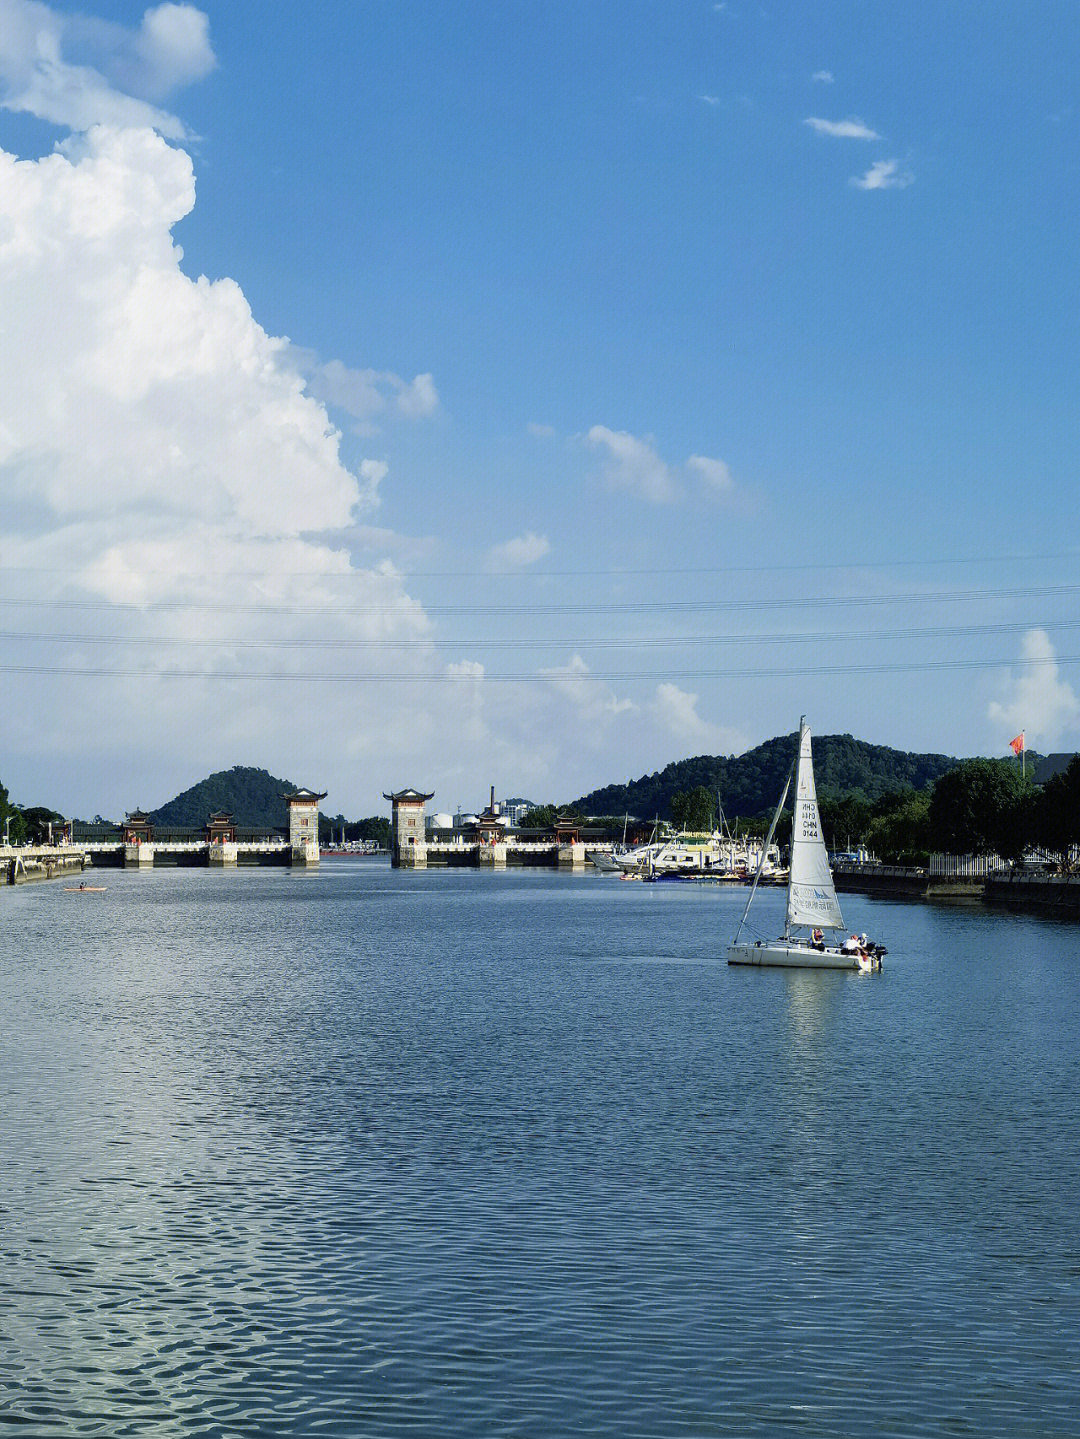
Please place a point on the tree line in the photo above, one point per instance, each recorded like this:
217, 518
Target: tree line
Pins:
25, 824
750, 782
979, 807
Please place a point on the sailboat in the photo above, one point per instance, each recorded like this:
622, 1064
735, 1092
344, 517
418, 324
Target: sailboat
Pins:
812, 907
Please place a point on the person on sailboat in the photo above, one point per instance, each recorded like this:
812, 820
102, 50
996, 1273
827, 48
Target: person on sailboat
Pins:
817, 939
850, 945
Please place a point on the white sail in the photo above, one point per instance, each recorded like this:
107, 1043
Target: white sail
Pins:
811, 893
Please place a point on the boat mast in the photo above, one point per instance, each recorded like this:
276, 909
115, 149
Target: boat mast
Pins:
798, 783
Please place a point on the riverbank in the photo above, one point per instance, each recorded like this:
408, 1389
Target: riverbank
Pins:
1059, 892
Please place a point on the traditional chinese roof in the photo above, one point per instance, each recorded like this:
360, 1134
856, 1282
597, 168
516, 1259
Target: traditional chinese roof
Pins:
408, 796
304, 796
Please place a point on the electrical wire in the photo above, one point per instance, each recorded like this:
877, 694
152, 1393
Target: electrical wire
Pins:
516, 643
452, 676
698, 606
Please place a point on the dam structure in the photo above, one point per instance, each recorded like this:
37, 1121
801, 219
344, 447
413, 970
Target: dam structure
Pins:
20, 864
488, 842
138, 843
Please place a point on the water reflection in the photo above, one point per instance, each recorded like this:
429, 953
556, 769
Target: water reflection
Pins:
395, 1155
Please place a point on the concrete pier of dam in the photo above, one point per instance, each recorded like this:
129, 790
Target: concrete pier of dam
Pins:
22, 864
138, 843
488, 843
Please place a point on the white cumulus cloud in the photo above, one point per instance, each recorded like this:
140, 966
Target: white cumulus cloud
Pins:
1037, 699
170, 49
159, 450
124, 380
850, 129
78, 73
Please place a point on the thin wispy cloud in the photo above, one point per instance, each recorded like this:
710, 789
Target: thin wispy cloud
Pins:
822, 77
632, 464
709, 99
365, 394
884, 175
850, 129
593, 700
517, 553
714, 473
676, 711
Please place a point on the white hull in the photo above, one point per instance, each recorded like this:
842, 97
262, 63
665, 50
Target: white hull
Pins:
783, 955
602, 860
697, 854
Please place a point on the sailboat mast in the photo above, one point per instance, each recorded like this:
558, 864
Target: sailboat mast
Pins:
764, 852
794, 809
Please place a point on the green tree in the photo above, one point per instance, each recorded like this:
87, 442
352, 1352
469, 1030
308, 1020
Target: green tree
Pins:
1056, 817
980, 807
37, 821
845, 818
11, 820
375, 829
899, 831
543, 816
693, 809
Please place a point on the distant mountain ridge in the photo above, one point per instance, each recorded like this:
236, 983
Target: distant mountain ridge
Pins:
253, 797
750, 783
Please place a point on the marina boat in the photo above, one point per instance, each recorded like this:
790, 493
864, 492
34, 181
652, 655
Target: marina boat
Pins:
812, 907
603, 860
694, 855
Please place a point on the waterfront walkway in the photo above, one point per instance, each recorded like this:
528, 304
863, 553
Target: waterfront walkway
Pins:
1001, 886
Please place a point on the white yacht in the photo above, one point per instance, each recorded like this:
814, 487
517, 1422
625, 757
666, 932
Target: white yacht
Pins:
696, 855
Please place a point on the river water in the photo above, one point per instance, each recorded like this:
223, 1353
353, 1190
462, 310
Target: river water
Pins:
370, 1153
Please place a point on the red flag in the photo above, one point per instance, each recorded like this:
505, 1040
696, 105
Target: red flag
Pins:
1017, 744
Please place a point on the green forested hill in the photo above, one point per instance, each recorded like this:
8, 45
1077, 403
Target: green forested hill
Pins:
750, 784
252, 796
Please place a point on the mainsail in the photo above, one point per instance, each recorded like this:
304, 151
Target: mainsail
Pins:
811, 893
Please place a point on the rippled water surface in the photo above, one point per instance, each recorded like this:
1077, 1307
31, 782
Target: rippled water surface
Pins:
373, 1153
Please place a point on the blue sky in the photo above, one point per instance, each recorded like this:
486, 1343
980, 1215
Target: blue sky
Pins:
655, 373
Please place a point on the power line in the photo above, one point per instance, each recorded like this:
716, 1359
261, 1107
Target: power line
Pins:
630, 607
527, 677
534, 574
591, 643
